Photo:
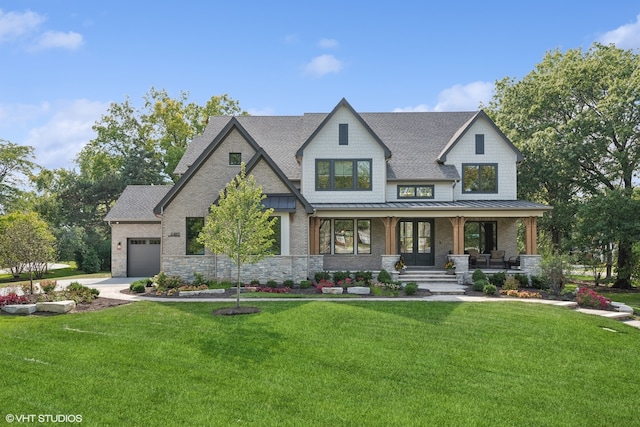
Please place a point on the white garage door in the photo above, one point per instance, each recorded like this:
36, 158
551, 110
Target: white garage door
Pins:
143, 257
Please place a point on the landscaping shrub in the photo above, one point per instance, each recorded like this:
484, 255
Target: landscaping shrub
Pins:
538, 282
198, 279
364, 276
522, 279
339, 276
410, 288
272, 284
160, 279
48, 286
174, 282
78, 293
479, 285
305, 284
498, 279
554, 269
139, 286
490, 289
384, 276
11, 299
590, 298
322, 275
478, 275
288, 283
511, 283
254, 282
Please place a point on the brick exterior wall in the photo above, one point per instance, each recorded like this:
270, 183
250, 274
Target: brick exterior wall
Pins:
120, 232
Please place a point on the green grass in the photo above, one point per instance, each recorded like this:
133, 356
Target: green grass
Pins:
346, 363
632, 299
70, 272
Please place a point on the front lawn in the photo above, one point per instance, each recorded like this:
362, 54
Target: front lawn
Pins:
324, 364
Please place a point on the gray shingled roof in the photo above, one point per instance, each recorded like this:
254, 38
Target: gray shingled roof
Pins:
136, 203
415, 140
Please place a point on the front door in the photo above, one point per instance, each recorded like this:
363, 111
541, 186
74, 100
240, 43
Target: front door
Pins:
416, 241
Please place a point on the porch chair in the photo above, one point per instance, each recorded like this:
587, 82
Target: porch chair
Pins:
513, 262
497, 258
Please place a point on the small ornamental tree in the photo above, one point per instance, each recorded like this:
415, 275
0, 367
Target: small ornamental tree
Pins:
239, 226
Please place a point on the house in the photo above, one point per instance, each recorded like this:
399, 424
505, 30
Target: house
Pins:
352, 191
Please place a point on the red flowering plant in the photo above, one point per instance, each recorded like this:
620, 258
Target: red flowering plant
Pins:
323, 283
12, 299
590, 298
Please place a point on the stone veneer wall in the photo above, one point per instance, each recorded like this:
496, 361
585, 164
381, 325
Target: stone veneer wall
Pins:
278, 268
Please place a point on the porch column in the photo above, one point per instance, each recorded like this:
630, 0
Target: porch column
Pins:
531, 235
314, 235
457, 223
391, 244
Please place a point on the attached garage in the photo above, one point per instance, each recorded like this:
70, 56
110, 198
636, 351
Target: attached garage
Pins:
143, 258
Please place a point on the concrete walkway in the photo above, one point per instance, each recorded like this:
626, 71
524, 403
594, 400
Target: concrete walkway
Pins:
110, 288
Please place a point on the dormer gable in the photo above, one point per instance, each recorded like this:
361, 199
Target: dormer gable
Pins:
343, 104
480, 115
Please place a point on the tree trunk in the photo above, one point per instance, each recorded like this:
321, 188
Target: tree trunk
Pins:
238, 286
624, 265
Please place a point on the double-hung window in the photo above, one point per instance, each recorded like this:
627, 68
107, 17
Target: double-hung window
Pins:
343, 174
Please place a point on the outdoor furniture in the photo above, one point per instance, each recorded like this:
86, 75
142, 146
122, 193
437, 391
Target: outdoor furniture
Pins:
513, 262
496, 258
476, 258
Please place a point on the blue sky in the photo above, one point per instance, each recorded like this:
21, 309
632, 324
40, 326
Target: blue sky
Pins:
63, 62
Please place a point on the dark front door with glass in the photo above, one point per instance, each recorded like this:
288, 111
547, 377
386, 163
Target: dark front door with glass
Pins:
415, 237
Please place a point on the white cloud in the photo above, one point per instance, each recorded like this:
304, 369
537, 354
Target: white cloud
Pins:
65, 130
267, 111
328, 43
323, 65
458, 98
14, 25
57, 39
624, 37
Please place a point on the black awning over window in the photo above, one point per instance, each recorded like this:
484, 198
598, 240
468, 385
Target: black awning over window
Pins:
280, 202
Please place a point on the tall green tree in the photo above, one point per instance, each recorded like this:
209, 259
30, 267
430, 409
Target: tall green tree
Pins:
239, 226
27, 244
16, 164
576, 117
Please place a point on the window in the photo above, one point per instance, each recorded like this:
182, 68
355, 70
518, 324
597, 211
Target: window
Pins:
415, 191
343, 134
481, 235
480, 178
479, 143
341, 175
276, 248
235, 159
194, 227
338, 236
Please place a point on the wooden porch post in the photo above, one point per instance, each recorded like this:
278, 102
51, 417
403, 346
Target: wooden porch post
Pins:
531, 235
457, 223
314, 235
390, 239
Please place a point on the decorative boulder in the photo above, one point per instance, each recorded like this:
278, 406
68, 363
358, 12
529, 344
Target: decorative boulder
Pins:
332, 290
56, 306
359, 290
19, 308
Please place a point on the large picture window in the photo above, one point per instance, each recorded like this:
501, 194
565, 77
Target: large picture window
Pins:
345, 236
276, 248
481, 235
341, 175
194, 227
480, 178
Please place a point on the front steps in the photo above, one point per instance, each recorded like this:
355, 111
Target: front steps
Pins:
438, 282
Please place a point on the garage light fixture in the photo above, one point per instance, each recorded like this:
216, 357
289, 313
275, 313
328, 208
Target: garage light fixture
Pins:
119, 246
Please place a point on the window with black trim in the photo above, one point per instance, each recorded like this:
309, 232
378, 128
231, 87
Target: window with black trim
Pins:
345, 236
479, 143
480, 178
235, 159
343, 134
415, 191
194, 227
343, 175
276, 248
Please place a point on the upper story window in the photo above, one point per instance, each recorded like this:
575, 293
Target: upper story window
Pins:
343, 175
343, 134
480, 178
415, 191
194, 227
235, 159
479, 143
